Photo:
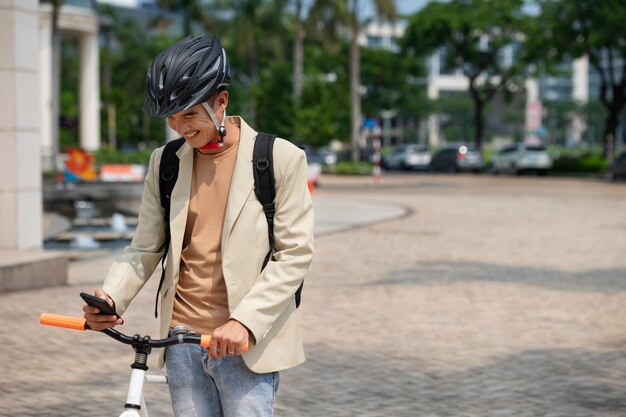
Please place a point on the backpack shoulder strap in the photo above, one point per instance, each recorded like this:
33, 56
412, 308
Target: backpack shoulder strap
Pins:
168, 174
262, 164
264, 188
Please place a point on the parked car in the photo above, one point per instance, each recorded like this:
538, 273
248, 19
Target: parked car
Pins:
617, 168
457, 158
408, 157
314, 162
521, 158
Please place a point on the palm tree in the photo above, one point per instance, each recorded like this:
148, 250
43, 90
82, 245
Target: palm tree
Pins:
252, 28
190, 10
298, 55
348, 14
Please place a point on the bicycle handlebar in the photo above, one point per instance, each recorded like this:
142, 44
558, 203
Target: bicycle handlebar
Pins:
56, 320
76, 323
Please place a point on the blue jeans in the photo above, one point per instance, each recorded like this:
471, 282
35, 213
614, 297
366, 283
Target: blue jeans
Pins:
205, 387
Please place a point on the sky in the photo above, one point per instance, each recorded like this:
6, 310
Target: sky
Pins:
125, 3
404, 6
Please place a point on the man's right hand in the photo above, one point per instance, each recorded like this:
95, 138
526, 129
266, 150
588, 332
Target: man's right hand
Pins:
97, 321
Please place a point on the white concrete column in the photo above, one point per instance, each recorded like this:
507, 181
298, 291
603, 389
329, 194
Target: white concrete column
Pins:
89, 126
580, 94
433, 130
534, 110
433, 94
432, 88
20, 169
580, 79
45, 91
532, 90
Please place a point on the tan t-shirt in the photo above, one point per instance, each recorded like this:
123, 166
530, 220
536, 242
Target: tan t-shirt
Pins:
201, 301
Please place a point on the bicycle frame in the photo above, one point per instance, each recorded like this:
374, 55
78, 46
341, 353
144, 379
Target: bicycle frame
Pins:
135, 405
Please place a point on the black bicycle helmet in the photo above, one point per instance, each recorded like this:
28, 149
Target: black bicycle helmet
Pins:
185, 74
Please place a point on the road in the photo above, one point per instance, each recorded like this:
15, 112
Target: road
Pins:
484, 296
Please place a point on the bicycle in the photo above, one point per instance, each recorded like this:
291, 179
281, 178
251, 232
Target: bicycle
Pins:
135, 405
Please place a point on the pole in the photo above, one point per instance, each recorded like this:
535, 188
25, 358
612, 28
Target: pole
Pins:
376, 172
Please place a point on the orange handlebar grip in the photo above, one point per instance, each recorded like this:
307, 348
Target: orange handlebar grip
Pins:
205, 341
62, 321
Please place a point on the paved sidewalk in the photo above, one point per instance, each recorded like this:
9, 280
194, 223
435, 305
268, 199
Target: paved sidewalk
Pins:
331, 215
476, 296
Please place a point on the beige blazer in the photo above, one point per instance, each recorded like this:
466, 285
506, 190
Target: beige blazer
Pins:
262, 301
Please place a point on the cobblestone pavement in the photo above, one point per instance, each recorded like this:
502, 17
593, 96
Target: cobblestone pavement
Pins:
493, 296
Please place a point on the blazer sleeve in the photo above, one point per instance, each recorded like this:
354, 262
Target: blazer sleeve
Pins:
132, 269
274, 289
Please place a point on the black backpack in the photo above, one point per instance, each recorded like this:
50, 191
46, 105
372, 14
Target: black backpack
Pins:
263, 188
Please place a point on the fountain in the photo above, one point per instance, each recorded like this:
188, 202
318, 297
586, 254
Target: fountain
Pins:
118, 223
84, 241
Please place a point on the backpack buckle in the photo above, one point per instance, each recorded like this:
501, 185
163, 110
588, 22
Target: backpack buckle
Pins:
262, 164
168, 174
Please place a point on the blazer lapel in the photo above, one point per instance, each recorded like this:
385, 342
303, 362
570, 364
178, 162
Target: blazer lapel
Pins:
242, 183
179, 205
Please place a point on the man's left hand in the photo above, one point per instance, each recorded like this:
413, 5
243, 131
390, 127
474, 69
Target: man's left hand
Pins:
230, 337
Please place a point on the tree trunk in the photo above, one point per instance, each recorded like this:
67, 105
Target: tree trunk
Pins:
614, 105
479, 122
479, 106
612, 121
298, 56
355, 96
56, 83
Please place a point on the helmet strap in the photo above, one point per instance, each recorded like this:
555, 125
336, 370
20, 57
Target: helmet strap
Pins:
221, 130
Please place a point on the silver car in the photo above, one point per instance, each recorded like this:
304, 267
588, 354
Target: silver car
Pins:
457, 158
408, 157
521, 158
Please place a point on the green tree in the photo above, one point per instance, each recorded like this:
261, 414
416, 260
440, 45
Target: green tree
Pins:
275, 109
324, 111
334, 15
455, 110
595, 28
473, 34
393, 81
298, 50
253, 31
594, 113
68, 106
129, 60
557, 118
191, 11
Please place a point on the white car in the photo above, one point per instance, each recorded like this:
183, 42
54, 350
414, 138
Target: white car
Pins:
314, 174
521, 158
408, 157
314, 163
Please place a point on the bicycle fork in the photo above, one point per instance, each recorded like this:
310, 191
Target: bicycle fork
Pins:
135, 405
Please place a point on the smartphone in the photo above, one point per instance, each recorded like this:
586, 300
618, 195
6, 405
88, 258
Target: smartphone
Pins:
99, 303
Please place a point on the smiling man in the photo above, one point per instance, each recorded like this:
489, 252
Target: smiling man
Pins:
214, 281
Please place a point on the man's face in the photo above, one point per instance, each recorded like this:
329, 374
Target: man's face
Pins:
194, 125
